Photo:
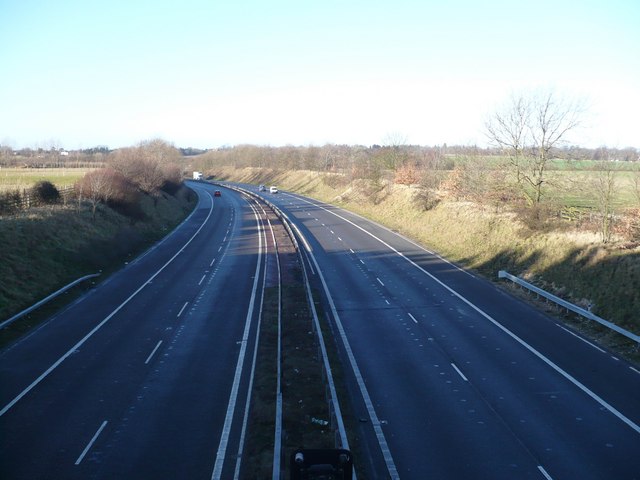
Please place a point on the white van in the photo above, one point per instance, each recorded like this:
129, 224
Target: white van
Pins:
273, 190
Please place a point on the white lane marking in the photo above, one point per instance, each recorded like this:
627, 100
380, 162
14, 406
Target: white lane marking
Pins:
182, 309
351, 250
459, 372
245, 420
202, 279
220, 248
380, 281
304, 240
387, 301
413, 318
362, 262
212, 262
91, 442
373, 416
580, 338
233, 396
153, 352
332, 232
635, 369
103, 322
535, 352
544, 472
339, 239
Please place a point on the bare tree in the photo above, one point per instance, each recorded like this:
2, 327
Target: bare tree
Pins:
395, 145
636, 182
98, 186
604, 186
530, 127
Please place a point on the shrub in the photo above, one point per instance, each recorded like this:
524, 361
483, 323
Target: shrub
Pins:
45, 192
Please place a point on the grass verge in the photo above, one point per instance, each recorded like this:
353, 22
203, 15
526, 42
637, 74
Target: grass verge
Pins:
572, 264
48, 247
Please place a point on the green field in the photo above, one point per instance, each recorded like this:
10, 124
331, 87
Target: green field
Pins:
23, 178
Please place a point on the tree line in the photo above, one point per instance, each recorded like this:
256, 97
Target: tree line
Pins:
122, 176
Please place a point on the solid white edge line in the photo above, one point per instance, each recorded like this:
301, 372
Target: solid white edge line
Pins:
91, 442
373, 416
459, 372
544, 472
103, 322
182, 309
535, 352
245, 420
580, 338
233, 396
153, 352
412, 317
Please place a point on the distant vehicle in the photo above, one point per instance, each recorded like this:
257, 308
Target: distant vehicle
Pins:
273, 190
262, 188
217, 193
197, 175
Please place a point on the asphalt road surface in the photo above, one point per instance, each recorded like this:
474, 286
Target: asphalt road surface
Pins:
455, 379
146, 375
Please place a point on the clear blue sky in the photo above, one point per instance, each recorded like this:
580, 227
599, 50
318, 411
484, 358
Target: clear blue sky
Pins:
210, 73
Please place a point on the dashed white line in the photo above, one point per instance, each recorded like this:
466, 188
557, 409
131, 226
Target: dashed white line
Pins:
153, 352
387, 301
212, 262
332, 232
413, 318
635, 369
544, 472
182, 309
497, 324
459, 372
380, 281
102, 323
90, 444
351, 250
220, 248
202, 279
339, 239
361, 261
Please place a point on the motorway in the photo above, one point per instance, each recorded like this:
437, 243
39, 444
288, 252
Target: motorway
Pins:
455, 379
146, 375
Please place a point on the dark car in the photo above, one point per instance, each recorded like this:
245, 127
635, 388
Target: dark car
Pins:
217, 193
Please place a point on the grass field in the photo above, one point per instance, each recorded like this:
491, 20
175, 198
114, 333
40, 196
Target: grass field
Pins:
577, 188
24, 178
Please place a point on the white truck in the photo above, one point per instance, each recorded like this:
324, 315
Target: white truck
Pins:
197, 175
